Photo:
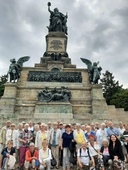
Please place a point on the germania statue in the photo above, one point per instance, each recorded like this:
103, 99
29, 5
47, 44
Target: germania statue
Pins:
57, 20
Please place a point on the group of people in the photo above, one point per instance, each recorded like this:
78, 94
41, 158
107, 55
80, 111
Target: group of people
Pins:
49, 146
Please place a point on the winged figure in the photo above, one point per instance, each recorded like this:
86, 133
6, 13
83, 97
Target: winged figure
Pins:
93, 70
15, 67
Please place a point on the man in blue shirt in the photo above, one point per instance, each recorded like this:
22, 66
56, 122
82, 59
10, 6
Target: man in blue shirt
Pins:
112, 130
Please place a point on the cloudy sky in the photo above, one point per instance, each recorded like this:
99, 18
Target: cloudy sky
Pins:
97, 30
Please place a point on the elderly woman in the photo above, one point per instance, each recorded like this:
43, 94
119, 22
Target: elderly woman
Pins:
31, 157
5, 155
78, 135
67, 137
40, 136
45, 156
105, 151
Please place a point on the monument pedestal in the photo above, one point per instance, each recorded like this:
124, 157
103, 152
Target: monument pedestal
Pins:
53, 110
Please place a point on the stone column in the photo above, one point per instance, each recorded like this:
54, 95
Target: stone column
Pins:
8, 100
99, 105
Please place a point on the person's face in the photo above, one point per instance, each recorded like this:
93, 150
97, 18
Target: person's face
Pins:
77, 127
12, 127
20, 127
91, 140
83, 128
97, 124
110, 124
88, 129
36, 128
126, 127
8, 124
49, 125
105, 144
120, 125
102, 126
55, 126
32, 148
9, 145
92, 126
84, 145
26, 127
30, 123
43, 127
60, 126
44, 144
67, 129
113, 138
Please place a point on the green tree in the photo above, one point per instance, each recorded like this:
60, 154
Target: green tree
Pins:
110, 86
120, 99
3, 80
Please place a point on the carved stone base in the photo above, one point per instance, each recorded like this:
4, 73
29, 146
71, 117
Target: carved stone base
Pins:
56, 42
53, 110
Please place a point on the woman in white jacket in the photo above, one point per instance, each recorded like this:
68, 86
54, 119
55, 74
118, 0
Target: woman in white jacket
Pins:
40, 136
45, 156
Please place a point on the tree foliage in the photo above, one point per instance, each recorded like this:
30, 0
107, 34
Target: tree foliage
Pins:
3, 80
110, 86
120, 99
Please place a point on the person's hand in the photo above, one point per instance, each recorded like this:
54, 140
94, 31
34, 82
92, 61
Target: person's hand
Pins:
24, 141
44, 164
99, 156
7, 155
61, 148
34, 158
80, 165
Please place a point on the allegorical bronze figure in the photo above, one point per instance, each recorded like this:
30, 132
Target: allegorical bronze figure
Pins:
15, 67
93, 70
58, 21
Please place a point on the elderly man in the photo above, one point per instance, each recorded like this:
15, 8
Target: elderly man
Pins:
84, 157
31, 157
11, 133
24, 139
54, 140
112, 130
3, 134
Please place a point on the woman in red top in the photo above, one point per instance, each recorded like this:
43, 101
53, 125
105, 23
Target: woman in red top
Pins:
31, 157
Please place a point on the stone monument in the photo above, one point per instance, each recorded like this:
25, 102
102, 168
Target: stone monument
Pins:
55, 89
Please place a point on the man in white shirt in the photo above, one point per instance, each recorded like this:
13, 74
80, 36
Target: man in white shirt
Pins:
84, 157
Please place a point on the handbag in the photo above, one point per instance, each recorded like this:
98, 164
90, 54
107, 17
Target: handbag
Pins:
73, 159
53, 160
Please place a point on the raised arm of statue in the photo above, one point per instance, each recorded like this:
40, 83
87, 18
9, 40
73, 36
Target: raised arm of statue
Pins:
49, 4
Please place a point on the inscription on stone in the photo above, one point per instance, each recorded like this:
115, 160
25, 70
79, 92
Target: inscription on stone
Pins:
56, 44
39, 76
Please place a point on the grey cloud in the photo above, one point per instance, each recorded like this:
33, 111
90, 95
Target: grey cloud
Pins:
97, 31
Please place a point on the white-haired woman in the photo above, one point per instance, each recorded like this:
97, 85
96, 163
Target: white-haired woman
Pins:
40, 136
45, 156
105, 151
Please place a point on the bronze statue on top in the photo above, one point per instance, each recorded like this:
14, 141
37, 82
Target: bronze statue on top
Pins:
93, 70
57, 21
15, 67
